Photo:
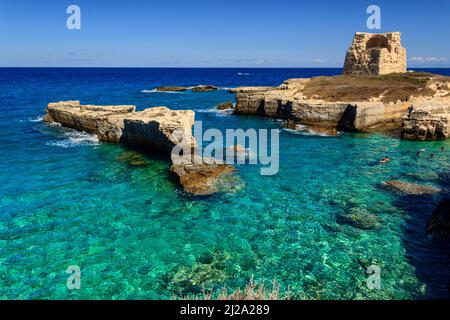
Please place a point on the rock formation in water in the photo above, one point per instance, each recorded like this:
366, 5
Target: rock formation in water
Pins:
375, 54
157, 128
201, 178
250, 89
355, 103
204, 88
225, 106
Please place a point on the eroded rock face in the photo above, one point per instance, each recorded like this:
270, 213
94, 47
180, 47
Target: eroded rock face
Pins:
375, 54
427, 121
360, 218
157, 128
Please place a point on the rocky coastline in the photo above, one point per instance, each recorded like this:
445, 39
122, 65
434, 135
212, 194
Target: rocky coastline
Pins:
375, 92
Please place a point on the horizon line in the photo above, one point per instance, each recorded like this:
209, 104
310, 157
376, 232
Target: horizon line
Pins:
185, 67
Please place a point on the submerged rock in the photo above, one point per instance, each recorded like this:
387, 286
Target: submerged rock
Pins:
204, 88
133, 159
290, 124
225, 106
439, 224
411, 188
154, 129
360, 218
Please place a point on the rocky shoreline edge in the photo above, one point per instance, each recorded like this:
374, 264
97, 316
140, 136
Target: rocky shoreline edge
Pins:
416, 104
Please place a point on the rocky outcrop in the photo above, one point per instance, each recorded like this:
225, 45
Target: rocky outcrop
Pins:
375, 54
347, 103
360, 218
411, 188
171, 88
157, 128
199, 88
225, 106
439, 224
83, 117
427, 121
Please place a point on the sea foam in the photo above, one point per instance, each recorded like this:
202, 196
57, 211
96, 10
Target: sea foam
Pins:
73, 138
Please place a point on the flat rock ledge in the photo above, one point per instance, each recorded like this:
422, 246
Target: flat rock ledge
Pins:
155, 129
415, 104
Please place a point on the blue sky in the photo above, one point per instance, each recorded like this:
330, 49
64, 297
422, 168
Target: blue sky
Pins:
213, 34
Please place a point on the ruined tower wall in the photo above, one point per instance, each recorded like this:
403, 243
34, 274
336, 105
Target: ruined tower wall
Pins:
375, 54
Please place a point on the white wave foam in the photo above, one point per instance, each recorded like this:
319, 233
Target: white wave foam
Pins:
156, 91
244, 74
37, 119
215, 111
73, 138
225, 88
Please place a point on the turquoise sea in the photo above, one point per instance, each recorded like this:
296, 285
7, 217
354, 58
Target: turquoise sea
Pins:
66, 199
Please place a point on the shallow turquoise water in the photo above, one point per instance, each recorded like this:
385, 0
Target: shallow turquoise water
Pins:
69, 200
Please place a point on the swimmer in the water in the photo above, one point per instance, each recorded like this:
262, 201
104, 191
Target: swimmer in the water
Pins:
385, 159
432, 155
442, 149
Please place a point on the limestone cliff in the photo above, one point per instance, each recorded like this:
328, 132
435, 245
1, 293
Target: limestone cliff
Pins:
427, 121
375, 54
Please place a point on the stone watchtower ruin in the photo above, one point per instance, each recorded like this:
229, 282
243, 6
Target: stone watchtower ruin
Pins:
375, 54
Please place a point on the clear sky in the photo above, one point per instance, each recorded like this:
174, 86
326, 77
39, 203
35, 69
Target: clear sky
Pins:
134, 33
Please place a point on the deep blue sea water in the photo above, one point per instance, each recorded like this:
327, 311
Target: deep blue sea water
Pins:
66, 199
